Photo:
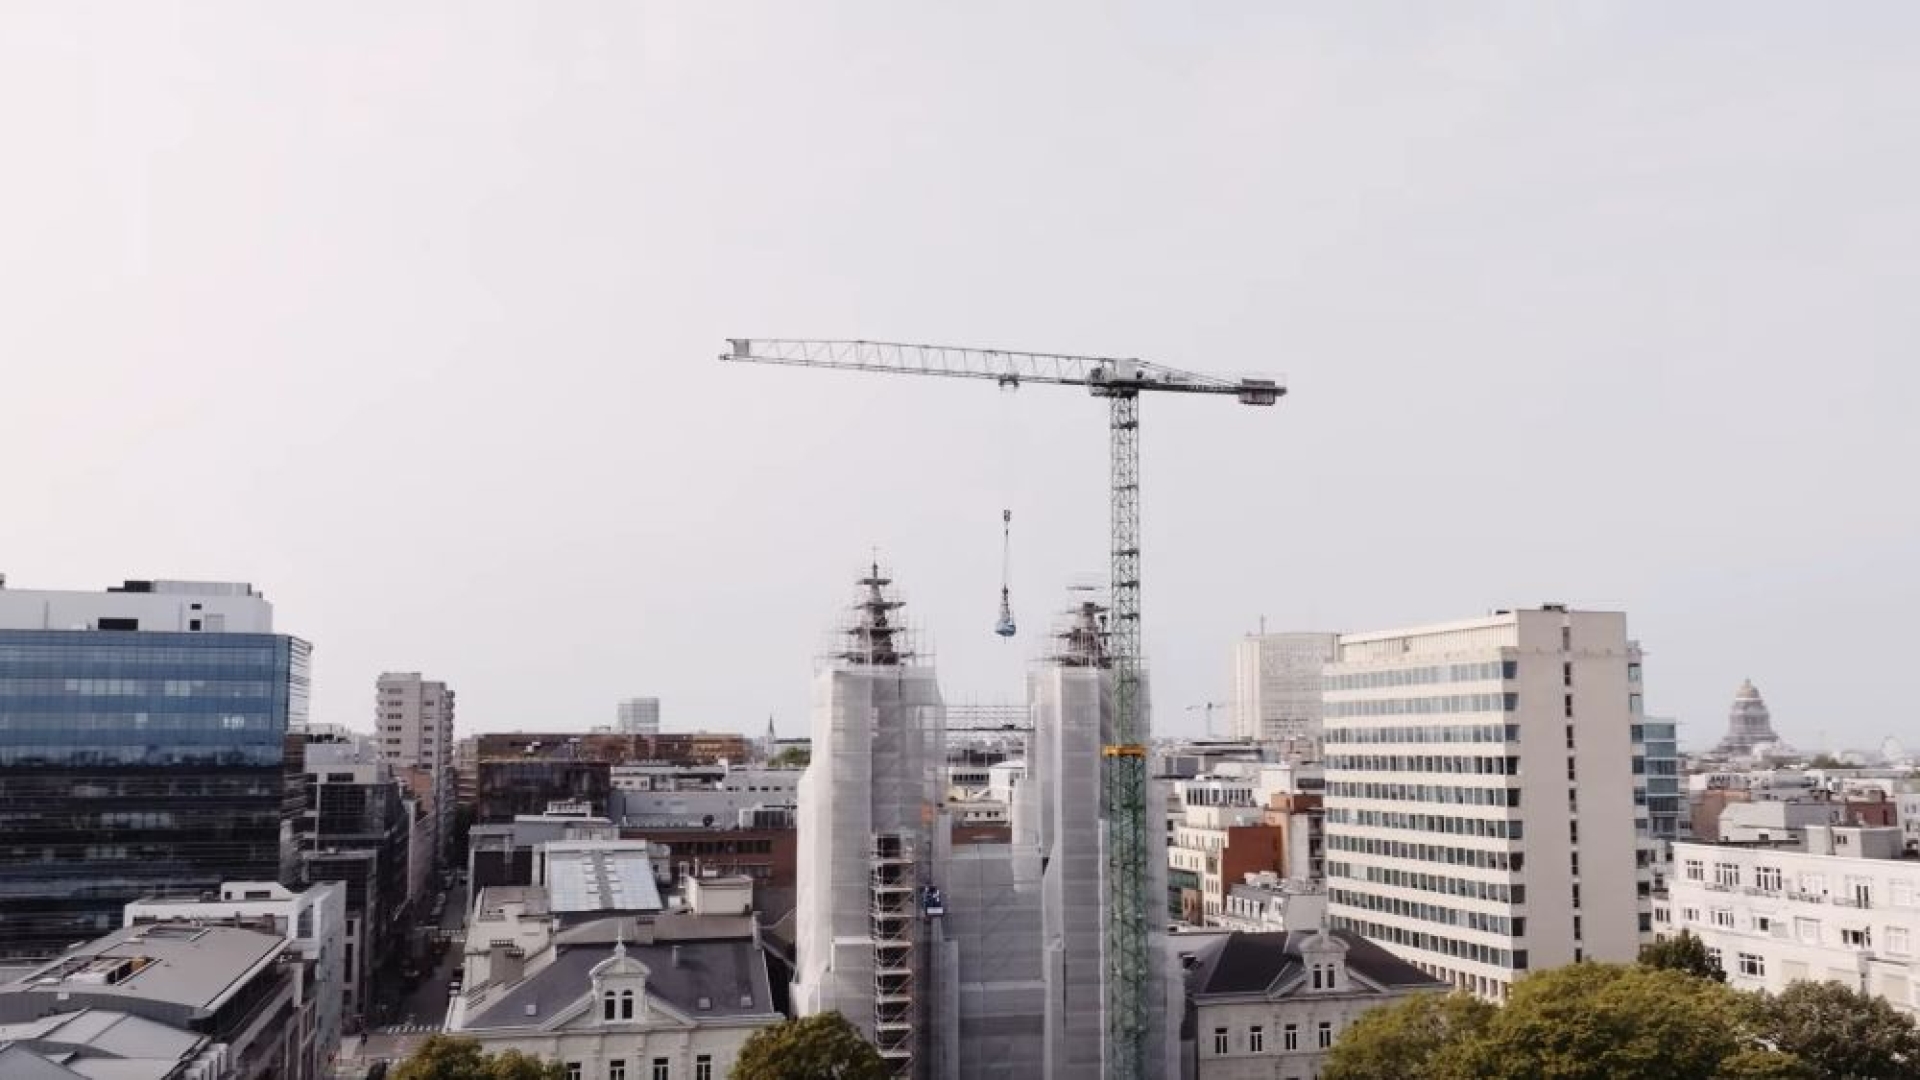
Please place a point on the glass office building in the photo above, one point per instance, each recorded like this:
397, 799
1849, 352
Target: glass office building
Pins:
138, 762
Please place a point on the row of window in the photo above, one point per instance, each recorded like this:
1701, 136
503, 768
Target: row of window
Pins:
1511, 959
1439, 854
1423, 676
1438, 914
1443, 884
1424, 733
223, 650
662, 1069
1256, 1038
1857, 890
1493, 828
1458, 764
1449, 794
1896, 940
1425, 706
222, 688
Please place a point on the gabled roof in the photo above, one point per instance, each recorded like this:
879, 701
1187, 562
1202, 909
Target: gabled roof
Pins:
723, 973
1240, 963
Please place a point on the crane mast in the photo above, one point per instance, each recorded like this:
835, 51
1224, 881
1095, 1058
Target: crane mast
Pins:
1124, 755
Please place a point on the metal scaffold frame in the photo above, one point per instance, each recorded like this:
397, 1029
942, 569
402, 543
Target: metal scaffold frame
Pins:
894, 912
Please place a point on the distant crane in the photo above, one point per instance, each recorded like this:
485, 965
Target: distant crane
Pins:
1124, 761
1207, 707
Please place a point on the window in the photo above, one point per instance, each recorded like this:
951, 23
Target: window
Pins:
1807, 930
1902, 893
1723, 917
1256, 1039
1767, 877
1715, 955
1695, 870
1326, 1034
1290, 1037
1726, 873
662, 1069
617, 1069
703, 1067
1219, 1040
1763, 924
607, 1006
1897, 940
1859, 939
626, 1004
573, 1070
1752, 965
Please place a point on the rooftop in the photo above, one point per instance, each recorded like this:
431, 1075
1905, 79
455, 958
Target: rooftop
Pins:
724, 978
94, 1044
1240, 963
193, 966
601, 876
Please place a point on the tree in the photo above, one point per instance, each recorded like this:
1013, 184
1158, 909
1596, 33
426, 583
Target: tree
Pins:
1683, 952
792, 757
820, 1047
1841, 1033
1606, 1022
1581, 1022
1402, 1041
446, 1058
1825, 761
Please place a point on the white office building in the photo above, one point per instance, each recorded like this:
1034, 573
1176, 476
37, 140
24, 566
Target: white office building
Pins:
1276, 686
1842, 904
638, 716
1480, 811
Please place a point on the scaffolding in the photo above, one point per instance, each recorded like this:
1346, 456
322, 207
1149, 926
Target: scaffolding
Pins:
893, 912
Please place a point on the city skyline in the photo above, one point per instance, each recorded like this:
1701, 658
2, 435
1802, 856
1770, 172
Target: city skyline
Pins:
410, 321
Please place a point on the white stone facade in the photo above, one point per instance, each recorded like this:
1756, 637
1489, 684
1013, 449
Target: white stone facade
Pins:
1774, 915
1480, 811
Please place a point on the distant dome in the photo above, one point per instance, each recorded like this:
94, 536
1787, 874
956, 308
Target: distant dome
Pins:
1749, 724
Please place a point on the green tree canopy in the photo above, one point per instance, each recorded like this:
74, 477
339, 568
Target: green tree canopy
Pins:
445, 1058
820, 1047
1581, 1022
1405, 1040
1683, 952
792, 757
1841, 1033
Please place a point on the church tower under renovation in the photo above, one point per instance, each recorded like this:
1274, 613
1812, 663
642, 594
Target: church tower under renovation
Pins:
868, 803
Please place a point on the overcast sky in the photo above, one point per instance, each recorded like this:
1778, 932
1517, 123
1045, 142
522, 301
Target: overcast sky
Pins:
407, 313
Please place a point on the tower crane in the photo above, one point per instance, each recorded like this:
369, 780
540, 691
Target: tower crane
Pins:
1207, 707
1124, 760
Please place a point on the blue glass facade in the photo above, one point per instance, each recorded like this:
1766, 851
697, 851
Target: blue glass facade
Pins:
137, 762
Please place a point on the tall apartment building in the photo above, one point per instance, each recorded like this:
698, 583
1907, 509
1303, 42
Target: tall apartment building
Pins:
1480, 795
638, 716
143, 751
1276, 686
413, 722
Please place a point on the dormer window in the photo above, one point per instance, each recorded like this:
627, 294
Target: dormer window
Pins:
607, 1006
626, 1004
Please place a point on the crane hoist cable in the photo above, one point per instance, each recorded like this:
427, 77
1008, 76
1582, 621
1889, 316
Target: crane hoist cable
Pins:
1005, 627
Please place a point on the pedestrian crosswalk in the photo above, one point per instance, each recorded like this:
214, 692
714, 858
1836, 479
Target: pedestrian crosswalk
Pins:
409, 1029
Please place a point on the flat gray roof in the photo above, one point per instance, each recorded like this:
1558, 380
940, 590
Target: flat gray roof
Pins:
194, 966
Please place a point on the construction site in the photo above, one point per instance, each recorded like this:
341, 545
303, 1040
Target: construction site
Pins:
959, 952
